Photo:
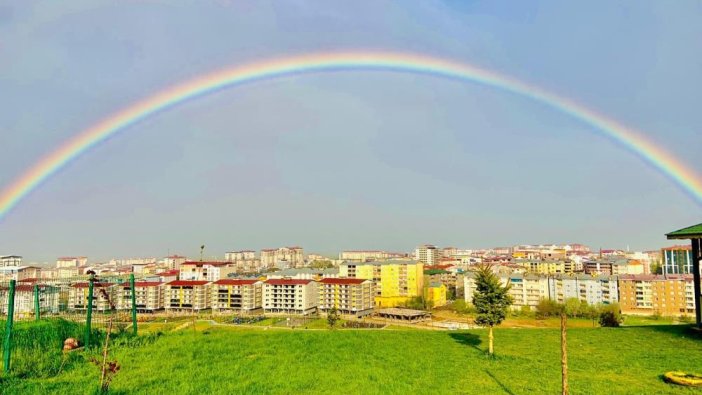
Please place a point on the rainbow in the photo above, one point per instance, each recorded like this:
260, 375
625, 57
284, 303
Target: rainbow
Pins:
628, 138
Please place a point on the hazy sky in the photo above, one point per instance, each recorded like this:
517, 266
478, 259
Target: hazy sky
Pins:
348, 160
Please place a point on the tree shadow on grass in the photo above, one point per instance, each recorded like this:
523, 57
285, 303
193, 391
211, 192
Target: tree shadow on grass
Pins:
467, 339
504, 387
683, 330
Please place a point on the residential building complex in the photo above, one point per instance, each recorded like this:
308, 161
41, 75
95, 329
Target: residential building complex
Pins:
350, 296
149, 296
396, 282
288, 296
427, 254
237, 295
10, 260
283, 258
671, 295
184, 295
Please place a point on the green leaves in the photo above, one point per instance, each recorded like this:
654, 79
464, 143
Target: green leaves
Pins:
491, 299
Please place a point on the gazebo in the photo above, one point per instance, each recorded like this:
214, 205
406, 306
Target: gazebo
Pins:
694, 234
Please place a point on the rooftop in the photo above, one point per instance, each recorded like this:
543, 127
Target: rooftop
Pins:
691, 232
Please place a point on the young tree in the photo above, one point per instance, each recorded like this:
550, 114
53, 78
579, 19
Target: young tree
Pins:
491, 300
332, 317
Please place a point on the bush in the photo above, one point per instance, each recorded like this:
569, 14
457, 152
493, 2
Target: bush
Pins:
461, 307
610, 316
548, 308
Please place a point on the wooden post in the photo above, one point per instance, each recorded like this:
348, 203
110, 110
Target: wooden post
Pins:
696, 280
564, 354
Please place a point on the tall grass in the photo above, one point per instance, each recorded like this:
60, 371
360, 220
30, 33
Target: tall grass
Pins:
37, 346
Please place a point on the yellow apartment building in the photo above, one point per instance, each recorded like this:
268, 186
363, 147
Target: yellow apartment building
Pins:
350, 296
186, 295
671, 295
237, 295
395, 282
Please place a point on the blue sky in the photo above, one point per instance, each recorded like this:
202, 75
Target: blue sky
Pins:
346, 160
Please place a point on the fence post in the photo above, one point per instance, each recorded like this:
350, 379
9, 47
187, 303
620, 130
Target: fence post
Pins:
8, 327
89, 316
37, 312
134, 313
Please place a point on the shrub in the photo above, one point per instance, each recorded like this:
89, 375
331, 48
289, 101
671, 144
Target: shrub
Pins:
547, 308
610, 316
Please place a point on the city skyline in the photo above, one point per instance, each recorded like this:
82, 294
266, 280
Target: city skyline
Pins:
345, 160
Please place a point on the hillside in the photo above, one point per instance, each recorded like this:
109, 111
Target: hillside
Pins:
223, 360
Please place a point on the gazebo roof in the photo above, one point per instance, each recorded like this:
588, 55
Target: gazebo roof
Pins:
691, 232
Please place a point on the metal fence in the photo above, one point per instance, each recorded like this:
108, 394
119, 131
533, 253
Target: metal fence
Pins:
88, 300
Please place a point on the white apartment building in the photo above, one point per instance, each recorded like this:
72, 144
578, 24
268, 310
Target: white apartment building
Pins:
364, 255
206, 271
241, 295
71, 262
10, 260
18, 273
291, 257
243, 255
78, 296
288, 296
174, 261
24, 299
187, 295
149, 296
427, 254
529, 289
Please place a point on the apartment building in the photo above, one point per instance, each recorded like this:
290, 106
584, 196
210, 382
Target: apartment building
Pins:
18, 273
395, 282
529, 289
10, 260
435, 293
149, 296
187, 295
591, 289
237, 295
205, 271
364, 255
174, 261
284, 257
24, 299
671, 295
427, 254
289, 296
243, 255
71, 261
677, 259
78, 296
350, 296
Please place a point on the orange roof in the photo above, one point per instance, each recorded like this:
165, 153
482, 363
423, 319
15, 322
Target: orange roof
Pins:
181, 283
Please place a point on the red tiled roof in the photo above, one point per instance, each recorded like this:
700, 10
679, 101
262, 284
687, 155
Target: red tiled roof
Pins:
85, 285
143, 284
343, 281
173, 272
235, 281
28, 280
287, 281
180, 283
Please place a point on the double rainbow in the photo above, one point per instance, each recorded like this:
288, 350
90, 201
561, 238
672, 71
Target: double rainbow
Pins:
628, 138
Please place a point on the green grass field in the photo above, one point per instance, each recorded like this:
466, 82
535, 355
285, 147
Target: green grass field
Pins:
221, 360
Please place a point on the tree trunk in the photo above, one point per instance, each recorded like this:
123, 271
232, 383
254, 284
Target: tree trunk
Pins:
490, 338
564, 355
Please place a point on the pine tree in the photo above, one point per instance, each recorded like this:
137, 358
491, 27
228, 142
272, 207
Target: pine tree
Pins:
491, 300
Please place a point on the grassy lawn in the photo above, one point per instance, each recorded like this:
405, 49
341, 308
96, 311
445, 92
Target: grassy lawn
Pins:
216, 360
